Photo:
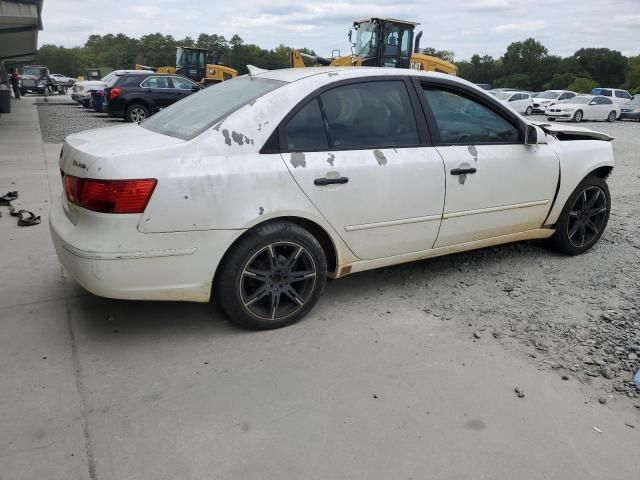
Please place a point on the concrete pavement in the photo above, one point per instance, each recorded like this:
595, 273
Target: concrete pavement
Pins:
367, 387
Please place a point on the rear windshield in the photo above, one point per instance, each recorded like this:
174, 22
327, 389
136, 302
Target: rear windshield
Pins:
190, 117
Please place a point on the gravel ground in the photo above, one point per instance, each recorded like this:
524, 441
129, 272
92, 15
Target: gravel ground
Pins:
577, 316
61, 116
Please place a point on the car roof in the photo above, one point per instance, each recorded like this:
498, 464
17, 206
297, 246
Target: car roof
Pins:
294, 74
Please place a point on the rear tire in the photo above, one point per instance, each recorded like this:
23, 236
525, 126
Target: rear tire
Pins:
612, 116
583, 218
271, 277
550, 119
136, 113
577, 117
528, 111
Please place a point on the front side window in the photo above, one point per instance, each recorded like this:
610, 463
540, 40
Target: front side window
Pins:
366, 40
461, 120
196, 113
370, 115
157, 82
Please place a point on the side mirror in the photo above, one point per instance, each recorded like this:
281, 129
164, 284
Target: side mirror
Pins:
350, 34
531, 135
512, 99
195, 89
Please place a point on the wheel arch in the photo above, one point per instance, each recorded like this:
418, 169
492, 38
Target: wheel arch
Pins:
578, 160
319, 232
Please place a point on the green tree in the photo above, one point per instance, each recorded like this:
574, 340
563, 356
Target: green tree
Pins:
560, 81
527, 59
633, 73
583, 85
605, 66
447, 55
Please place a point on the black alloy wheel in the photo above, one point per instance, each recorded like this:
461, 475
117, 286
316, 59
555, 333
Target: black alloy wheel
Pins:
277, 281
271, 277
587, 216
584, 217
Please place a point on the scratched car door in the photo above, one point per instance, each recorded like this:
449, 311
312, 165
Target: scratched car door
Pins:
495, 184
358, 154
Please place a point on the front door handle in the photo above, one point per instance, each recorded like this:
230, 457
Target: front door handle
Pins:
463, 171
330, 181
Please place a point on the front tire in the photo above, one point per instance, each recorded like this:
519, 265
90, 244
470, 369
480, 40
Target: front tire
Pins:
577, 117
136, 113
271, 277
584, 217
550, 119
612, 116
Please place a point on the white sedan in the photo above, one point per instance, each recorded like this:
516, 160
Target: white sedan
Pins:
521, 102
584, 107
253, 191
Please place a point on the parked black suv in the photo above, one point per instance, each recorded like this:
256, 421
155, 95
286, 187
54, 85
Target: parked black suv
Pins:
136, 96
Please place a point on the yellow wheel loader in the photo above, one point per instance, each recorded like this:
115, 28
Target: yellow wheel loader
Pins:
381, 42
191, 62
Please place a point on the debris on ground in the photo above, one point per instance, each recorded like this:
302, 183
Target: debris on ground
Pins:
25, 217
519, 392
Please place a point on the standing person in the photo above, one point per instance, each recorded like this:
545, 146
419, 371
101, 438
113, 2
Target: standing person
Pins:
15, 83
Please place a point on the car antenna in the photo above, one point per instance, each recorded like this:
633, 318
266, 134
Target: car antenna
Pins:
253, 70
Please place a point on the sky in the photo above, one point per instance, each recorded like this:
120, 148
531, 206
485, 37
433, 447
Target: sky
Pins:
464, 26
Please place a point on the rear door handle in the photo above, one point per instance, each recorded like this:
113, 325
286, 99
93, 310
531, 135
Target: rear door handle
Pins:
330, 181
462, 171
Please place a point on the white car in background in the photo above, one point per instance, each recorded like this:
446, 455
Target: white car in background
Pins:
584, 107
521, 102
550, 97
617, 95
252, 192
62, 79
82, 90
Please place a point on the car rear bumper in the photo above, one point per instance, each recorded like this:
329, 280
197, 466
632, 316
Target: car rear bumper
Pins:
113, 110
176, 266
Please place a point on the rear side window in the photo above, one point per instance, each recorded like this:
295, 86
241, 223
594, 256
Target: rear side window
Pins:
621, 94
305, 131
461, 120
196, 113
370, 115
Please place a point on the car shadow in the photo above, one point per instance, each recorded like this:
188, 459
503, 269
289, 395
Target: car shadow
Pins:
137, 322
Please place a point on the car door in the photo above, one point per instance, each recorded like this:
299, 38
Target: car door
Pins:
363, 157
161, 92
184, 86
607, 105
495, 184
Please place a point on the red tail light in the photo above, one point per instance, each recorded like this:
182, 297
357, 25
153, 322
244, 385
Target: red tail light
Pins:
110, 196
114, 93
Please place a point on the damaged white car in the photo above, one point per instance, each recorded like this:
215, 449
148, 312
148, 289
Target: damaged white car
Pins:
252, 192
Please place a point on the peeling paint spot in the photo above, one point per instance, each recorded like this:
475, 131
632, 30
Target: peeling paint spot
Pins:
217, 127
380, 158
333, 74
252, 141
247, 140
260, 210
298, 160
331, 159
252, 103
473, 151
395, 150
237, 137
463, 178
227, 138
259, 126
